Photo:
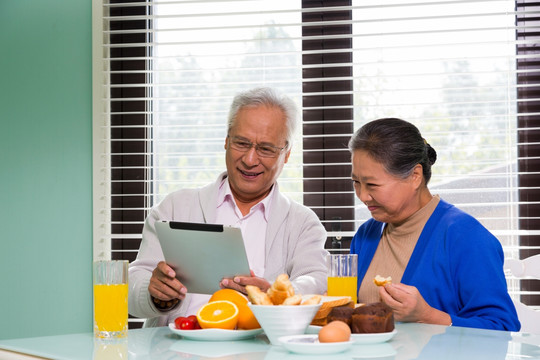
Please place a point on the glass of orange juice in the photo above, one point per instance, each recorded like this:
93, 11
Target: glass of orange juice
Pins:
111, 299
342, 275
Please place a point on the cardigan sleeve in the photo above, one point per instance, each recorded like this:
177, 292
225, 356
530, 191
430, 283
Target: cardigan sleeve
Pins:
150, 253
477, 267
305, 253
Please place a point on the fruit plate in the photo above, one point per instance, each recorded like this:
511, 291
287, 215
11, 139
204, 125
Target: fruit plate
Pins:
309, 344
374, 338
215, 334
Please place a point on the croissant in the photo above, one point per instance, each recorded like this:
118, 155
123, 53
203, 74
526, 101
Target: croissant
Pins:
280, 293
257, 297
280, 290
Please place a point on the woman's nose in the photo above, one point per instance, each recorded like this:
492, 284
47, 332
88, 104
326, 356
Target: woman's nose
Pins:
362, 194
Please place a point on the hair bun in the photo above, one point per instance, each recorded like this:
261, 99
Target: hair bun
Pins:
431, 154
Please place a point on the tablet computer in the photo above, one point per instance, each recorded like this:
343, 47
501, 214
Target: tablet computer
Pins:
202, 254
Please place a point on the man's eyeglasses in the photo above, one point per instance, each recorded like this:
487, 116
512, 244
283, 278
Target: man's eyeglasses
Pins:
263, 150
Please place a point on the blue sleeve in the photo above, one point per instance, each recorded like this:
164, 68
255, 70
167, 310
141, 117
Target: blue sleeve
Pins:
476, 265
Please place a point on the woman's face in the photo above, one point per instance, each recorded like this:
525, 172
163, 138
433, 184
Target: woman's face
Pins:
389, 199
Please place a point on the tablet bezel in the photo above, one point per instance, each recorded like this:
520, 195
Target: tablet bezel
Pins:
202, 254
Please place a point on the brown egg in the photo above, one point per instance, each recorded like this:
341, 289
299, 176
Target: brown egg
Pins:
336, 331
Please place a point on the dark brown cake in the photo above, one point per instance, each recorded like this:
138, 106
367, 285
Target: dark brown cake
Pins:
372, 318
342, 313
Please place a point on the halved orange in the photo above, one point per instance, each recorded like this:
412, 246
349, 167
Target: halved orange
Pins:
230, 295
221, 314
246, 318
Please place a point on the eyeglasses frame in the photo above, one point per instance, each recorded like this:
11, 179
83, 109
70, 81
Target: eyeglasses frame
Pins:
278, 149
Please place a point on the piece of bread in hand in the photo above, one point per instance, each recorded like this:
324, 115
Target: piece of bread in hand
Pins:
381, 281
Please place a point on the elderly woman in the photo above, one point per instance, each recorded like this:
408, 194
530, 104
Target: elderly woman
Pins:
446, 268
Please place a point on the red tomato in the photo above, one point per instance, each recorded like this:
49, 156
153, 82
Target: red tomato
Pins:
184, 323
194, 318
187, 324
178, 322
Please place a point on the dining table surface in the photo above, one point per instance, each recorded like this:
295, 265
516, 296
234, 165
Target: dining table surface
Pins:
410, 341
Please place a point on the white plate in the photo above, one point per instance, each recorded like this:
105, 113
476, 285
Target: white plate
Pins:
359, 338
215, 334
372, 338
309, 344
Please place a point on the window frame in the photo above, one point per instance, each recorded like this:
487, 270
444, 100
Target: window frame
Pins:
130, 167
528, 57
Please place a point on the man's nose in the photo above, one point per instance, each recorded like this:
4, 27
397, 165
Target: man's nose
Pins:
251, 157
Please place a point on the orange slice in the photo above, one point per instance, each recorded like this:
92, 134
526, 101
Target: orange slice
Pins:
221, 314
246, 318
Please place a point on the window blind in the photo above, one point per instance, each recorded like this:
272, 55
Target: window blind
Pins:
464, 72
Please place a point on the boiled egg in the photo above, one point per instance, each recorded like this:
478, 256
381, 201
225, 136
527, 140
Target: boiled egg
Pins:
335, 331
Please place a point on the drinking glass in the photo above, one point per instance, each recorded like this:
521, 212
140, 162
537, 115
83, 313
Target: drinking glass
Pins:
342, 275
110, 349
111, 298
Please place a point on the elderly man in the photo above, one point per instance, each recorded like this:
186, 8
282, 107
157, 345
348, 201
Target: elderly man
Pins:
280, 236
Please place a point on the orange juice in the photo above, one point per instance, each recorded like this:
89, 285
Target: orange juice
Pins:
110, 308
342, 286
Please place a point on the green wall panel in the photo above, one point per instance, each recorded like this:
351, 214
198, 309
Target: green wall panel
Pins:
46, 173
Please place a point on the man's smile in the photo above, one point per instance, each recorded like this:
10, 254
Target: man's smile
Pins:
249, 174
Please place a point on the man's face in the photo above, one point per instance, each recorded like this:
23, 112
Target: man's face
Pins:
251, 176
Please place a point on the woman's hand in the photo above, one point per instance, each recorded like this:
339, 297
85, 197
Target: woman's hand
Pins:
164, 285
409, 305
239, 283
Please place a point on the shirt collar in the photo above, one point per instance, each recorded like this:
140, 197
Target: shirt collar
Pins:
225, 195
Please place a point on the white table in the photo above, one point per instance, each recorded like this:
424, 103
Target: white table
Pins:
412, 341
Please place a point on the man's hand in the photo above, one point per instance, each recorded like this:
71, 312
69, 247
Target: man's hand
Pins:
239, 283
409, 305
163, 284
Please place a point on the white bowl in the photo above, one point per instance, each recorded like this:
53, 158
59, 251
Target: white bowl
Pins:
284, 320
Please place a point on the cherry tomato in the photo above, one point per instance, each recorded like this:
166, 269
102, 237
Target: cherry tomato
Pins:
187, 324
194, 318
184, 323
178, 322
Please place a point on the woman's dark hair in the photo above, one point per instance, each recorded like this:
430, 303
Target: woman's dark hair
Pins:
396, 144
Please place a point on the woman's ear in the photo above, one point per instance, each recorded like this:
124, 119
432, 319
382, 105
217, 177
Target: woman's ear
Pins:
417, 175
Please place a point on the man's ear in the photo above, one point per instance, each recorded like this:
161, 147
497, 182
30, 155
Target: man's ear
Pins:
287, 156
